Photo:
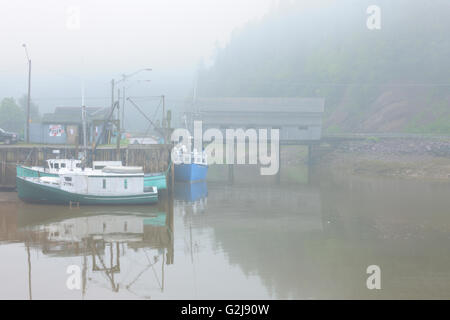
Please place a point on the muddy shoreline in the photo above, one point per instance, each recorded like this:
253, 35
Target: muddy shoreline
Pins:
408, 158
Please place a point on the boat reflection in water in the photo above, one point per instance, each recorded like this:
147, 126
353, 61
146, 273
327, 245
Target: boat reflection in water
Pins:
121, 248
190, 197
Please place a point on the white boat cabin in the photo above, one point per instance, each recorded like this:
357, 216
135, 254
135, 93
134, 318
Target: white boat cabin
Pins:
107, 182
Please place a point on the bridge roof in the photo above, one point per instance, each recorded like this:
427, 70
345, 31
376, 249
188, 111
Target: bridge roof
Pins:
261, 104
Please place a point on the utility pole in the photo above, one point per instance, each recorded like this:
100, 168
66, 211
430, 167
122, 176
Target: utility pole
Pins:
84, 126
163, 120
118, 104
123, 109
112, 93
83, 116
163, 123
29, 92
119, 133
112, 105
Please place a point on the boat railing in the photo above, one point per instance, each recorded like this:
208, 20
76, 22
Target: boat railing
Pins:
186, 158
181, 155
198, 158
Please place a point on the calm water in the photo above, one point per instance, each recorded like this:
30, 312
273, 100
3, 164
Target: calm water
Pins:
253, 239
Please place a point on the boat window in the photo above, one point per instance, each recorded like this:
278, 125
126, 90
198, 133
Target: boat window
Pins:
56, 165
63, 165
68, 179
104, 183
78, 165
125, 184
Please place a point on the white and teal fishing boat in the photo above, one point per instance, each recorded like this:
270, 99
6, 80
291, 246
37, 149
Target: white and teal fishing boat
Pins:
56, 167
110, 185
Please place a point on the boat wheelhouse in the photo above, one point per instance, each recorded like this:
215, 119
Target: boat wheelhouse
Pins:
62, 165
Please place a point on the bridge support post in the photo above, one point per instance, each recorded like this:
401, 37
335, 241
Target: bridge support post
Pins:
230, 174
310, 158
278, 175
310, 161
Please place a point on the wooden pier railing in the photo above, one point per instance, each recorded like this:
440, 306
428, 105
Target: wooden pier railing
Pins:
153, 158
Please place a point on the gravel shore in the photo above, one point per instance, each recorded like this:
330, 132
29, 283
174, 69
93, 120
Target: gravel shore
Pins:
414, 158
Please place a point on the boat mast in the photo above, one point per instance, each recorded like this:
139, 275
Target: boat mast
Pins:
83, 119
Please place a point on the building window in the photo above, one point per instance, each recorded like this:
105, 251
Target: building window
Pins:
125, 184
104, 183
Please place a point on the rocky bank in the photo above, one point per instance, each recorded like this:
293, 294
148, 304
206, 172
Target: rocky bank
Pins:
396, 157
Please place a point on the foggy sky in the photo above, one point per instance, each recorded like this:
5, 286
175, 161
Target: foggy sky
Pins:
114, 37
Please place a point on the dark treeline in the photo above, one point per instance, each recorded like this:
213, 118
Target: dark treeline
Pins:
399, 71
13, 114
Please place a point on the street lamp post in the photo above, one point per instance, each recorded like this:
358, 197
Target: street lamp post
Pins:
125, 77
124, 88
29, 96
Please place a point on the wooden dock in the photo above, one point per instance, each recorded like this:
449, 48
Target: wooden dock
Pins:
153, 158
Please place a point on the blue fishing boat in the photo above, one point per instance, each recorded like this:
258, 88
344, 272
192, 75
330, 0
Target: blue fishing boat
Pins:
190, 172
190, 166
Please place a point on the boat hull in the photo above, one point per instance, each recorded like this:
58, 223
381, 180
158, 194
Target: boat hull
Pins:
155, 180
190, 172
23, 171
29, 191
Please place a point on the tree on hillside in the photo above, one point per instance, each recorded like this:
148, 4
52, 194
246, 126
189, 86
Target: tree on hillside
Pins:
326, 50
12, 117
34, 108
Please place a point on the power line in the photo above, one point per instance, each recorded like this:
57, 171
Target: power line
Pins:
103, 98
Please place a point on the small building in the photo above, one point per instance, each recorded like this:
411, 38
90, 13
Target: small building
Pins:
65, 126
